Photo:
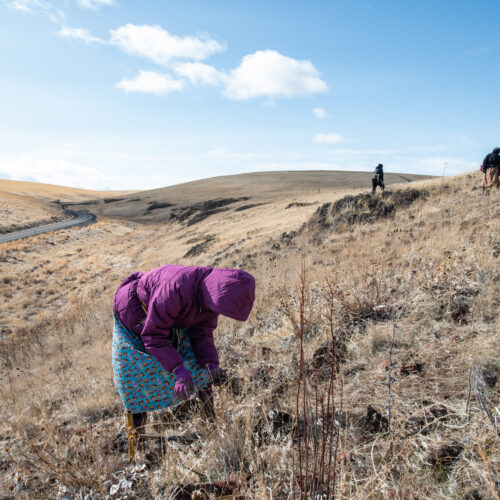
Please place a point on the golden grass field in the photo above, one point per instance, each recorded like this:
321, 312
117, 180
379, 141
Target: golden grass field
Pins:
409, 294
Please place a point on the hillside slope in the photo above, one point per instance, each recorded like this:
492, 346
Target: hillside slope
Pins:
235, 191
384, 309
26, 204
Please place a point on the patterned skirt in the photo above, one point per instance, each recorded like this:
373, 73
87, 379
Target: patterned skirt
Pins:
142, 382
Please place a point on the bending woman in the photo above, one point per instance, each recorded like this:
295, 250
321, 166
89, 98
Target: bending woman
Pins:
163, 344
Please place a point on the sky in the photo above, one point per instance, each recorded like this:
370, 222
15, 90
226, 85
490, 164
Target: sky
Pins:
124, 94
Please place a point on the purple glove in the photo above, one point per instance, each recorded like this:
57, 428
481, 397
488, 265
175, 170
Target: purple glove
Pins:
183, 382
219, 376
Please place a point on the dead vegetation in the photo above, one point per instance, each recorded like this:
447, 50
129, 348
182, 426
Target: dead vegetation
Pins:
368, 368
362, 208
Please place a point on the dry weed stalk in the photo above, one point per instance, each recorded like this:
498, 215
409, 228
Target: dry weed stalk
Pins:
316, 434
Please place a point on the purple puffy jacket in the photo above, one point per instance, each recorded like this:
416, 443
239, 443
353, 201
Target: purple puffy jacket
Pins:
182, 297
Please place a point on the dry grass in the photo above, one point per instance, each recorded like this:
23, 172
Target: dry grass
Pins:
420, 289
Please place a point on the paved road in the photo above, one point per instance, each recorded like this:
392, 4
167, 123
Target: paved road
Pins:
79, 219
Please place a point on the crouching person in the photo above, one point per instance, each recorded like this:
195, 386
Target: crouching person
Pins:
163, 343
490, 169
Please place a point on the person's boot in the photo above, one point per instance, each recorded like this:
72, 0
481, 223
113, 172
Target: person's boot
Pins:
135, 426
140, 420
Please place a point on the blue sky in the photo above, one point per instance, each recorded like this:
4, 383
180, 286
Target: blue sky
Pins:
116, 94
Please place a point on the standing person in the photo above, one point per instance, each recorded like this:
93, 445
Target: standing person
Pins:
490, 168
378, 178
163, 344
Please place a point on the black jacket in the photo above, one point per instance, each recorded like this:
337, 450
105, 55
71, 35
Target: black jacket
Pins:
491, 160
378, 175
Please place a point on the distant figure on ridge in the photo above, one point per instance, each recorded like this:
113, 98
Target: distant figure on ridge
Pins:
163, 343
490, 168
378, 178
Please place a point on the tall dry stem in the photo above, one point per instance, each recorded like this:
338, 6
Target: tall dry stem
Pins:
316, 434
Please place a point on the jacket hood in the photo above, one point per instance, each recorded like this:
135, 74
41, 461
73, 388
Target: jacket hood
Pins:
496, 150
230, 292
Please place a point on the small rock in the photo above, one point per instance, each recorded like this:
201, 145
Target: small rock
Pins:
445, 455
496, 249
354, 369
473, 495
437, 411
321, 356
411, 367
416, 424
489, 374
374, 421
266, 351
279, 424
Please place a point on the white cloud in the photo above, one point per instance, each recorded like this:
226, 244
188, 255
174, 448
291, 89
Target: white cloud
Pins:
320, 113
267, 73
58, 17
38, 7
20, 5
157, 44
79, 34
28, 5
331, 138
151, 82
200, 74
93, 4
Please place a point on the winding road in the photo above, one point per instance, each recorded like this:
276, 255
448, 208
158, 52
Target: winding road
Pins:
79, 219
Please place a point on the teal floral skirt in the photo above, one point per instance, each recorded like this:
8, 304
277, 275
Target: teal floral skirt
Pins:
142, 382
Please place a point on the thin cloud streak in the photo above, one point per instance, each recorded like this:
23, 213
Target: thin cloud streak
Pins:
332, 138
320, 113
93, 4
150, 82
79, 34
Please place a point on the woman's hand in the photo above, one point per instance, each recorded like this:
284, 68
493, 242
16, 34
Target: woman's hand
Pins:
183, 382
219, 376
